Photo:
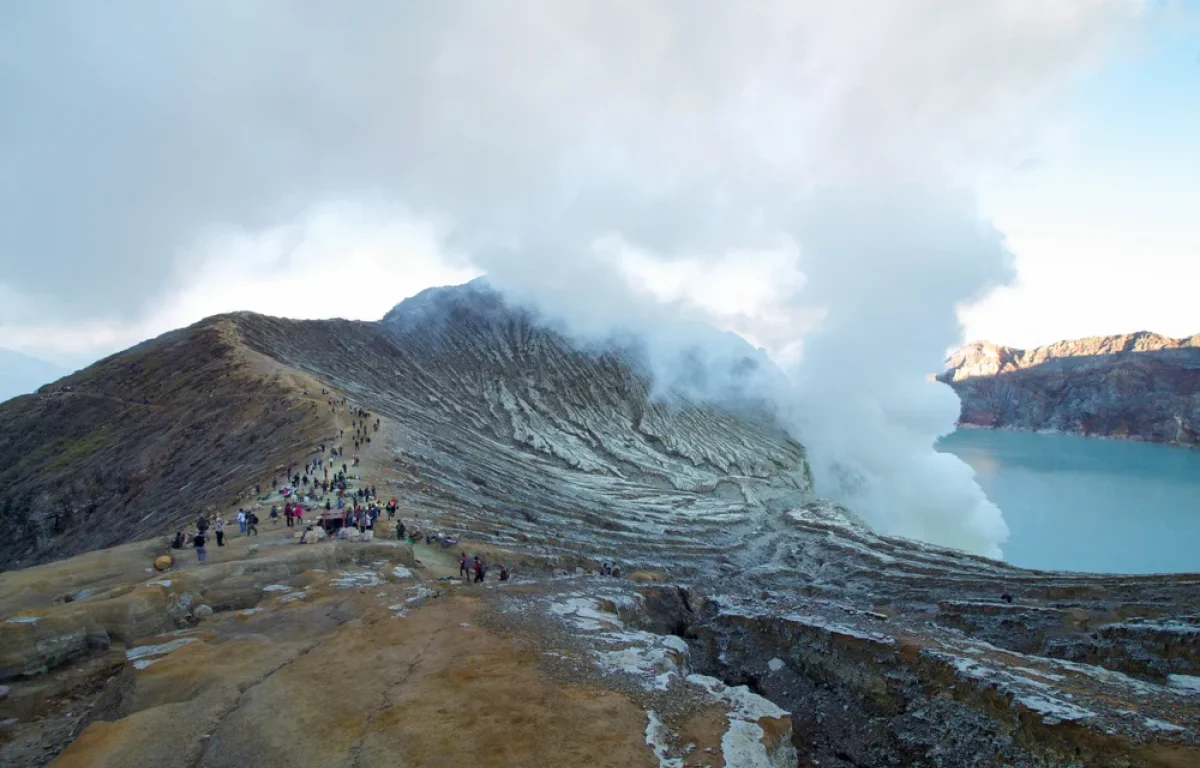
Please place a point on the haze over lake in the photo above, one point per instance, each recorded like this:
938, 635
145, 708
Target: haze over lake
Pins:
1077, 503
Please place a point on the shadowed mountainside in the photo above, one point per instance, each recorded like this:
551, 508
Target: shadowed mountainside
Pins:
145, 438
1140, 386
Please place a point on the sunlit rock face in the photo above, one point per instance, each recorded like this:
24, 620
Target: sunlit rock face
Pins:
1141, 386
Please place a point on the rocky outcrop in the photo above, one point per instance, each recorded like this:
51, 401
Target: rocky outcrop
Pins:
38, 639
1139, 386
355, 664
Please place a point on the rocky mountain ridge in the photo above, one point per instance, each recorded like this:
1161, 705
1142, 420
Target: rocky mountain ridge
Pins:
1140, 386
758, 624
501, 418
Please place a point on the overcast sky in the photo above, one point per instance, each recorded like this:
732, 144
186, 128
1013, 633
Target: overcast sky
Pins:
160, 162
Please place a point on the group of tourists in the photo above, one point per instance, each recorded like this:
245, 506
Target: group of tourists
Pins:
247, 522
320, 482
610, 569
293, 513
474, 571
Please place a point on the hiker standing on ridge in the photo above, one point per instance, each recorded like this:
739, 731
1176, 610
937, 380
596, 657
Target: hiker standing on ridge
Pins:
219, 530
464, 568
201, 523
241, 518
252, 523
198, 543
479, 570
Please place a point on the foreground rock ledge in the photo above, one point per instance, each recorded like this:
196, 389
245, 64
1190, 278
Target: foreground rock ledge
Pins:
369, 654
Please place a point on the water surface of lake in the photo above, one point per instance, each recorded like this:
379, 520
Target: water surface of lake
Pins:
1077, 503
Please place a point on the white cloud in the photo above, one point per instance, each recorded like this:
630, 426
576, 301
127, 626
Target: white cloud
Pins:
1091, 283
727, 147
354, 261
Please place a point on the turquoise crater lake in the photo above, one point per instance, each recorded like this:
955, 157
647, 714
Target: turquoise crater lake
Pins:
1083, 504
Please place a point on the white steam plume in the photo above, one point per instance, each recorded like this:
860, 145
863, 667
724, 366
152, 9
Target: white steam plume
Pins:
563, 147
892, 266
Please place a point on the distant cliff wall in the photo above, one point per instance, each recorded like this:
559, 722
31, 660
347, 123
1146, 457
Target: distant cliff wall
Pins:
1139, 386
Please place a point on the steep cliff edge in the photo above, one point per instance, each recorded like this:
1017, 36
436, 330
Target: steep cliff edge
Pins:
1139, 386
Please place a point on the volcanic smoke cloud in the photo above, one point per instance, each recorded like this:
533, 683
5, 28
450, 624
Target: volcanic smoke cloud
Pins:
797, 172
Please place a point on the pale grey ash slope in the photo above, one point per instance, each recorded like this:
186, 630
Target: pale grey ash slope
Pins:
509, 429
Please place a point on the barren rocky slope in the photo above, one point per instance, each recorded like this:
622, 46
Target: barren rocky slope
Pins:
1141, 386
761, 626
132, 444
